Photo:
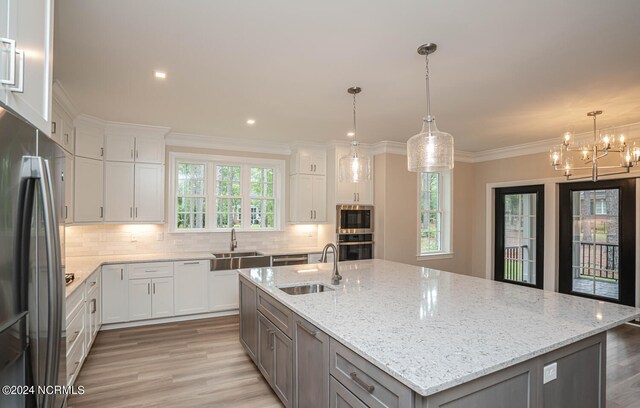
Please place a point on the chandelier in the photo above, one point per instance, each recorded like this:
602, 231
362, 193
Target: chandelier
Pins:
354, 167
590, 154
431, 149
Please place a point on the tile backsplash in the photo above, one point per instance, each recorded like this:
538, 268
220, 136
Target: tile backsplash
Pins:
128, 239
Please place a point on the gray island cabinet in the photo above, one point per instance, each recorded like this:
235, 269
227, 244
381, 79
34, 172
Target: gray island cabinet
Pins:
334, 356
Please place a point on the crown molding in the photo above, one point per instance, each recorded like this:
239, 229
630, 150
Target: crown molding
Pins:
120, 128
61, 96
226, 143
89, 120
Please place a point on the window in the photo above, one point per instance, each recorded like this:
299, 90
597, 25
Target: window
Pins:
191, 197
434, 219
242, 193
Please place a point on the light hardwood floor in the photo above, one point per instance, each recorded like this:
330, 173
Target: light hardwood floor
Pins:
200, 363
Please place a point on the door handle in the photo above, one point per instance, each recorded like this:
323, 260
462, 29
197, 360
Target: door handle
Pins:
306, 329
154, 288
101, 151
121, 273
130, 212
101, 212
367, 387
136, 212
11, 80
20, 87
66, 212
93, 306
148, 288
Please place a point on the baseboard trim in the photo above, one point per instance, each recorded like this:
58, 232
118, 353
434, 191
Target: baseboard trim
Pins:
138, 323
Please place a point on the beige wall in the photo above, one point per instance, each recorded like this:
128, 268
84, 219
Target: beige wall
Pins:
396, 201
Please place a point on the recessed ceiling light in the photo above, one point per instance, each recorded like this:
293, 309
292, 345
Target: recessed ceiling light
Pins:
160, 74
351, 134
251, 121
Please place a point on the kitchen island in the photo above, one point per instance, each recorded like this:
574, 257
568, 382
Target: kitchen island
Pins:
392, 334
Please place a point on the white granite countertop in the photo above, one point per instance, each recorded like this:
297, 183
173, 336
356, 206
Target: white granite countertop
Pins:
84, 266
433, 330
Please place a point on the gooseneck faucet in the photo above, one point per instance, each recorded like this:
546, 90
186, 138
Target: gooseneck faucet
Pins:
234, 241
335, 276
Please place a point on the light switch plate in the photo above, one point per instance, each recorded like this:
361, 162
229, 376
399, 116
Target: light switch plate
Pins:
550, 372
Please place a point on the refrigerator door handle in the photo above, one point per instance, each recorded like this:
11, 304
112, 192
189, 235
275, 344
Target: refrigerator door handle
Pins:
35, 168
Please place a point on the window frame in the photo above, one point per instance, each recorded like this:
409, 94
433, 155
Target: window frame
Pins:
245, 164
446, 218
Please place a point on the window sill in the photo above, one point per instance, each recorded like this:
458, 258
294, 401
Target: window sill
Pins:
434, 256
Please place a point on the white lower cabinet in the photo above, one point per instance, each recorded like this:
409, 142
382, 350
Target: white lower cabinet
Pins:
223, 290
150, 298
190, 278
115, 299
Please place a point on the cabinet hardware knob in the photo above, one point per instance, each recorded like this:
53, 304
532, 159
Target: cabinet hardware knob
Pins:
309, 331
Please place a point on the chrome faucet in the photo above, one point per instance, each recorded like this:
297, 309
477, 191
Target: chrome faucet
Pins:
335, 276
234, 241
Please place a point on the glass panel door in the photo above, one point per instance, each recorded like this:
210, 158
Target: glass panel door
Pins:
597, 240
519, 233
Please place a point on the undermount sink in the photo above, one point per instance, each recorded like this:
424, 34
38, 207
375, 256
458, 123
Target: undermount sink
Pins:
235, 254
237, 260
304, 289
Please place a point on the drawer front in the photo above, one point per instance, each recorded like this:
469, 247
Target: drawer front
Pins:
340, 397
151, 270
74, 359
75, 302
279, 315
75, 330
370, 384
93, 282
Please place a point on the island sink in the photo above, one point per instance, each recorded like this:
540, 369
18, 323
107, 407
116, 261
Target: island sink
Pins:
306, 288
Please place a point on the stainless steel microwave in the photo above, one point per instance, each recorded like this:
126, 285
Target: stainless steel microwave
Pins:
354, 219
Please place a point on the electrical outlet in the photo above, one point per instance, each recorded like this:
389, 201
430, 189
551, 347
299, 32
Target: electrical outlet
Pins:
160, 236
550, 372
134, 238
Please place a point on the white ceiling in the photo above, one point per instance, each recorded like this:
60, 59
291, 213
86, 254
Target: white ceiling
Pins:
506, 72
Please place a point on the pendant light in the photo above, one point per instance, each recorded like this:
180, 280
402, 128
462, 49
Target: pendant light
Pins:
431, 149
354, 167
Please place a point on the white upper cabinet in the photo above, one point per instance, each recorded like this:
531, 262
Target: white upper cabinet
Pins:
118, 191
120, 147
88, 204
26, 33
308, 198
68, 188
149, 193
89, 137
149, 150
134, 143
353, 193
62, 129
308, 161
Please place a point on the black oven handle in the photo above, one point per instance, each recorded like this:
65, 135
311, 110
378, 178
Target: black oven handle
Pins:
355, 243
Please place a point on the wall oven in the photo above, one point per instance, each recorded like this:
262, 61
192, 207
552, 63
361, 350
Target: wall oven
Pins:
353, 247
354, 219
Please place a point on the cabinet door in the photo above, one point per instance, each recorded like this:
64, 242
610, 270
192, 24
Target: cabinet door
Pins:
149, 150
93, 312
149, 192
319, 198
266, 346
162, 290
68, 188
190, 278
56, 126
223, 290
119, 147
118, 191
89, 139
115, 290
301, 198
248, 319
139, 299
319, 161
88, 202
311, 366
67, 136
305, 163
282, 347
31, 26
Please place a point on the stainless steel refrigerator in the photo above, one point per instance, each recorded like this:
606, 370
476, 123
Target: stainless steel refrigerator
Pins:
32, 316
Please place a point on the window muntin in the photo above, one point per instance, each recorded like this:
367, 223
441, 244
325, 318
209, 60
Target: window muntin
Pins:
191, 196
